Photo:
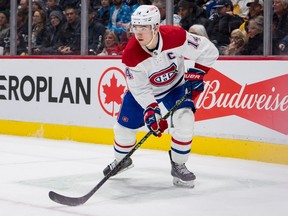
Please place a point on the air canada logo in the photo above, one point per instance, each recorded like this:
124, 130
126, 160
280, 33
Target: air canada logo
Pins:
111, 88
264, 102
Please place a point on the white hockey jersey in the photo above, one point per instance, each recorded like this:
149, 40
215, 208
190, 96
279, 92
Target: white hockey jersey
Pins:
151, 76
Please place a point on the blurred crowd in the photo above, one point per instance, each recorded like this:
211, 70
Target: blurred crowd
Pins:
236, 27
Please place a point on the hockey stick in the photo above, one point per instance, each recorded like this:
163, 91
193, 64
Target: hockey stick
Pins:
75, 201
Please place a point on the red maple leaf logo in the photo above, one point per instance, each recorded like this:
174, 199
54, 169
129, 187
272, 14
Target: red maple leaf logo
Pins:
113, 92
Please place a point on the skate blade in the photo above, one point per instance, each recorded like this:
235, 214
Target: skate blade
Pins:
185, 184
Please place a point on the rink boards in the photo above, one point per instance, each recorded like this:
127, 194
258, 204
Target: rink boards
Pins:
242, 113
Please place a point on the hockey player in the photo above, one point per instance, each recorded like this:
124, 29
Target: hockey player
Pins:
155, 73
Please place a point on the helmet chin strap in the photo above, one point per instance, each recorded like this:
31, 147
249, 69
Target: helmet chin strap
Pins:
153, 32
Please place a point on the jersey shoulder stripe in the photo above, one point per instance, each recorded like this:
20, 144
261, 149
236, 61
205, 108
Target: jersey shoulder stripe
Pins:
133, 53
172, 37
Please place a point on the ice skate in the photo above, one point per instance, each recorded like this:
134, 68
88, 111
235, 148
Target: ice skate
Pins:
127, 164
182, 177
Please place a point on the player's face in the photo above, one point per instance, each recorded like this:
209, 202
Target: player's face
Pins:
143, 33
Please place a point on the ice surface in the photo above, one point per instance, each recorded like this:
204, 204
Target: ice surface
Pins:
31, 167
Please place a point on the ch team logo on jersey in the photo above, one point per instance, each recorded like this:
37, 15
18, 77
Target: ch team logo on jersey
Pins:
165, 76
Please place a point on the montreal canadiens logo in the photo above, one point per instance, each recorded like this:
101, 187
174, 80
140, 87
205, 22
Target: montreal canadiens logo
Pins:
165, 76
111, 88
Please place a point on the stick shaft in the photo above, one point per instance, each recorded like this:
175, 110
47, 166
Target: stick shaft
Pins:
75, 201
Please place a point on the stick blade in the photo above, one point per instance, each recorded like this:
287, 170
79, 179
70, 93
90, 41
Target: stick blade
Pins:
64, 200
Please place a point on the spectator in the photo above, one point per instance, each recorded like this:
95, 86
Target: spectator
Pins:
104, 12
283, 45
4, 29
175, 6
70, 39
71, 3
240, 8
161, 5
134, 6
4, 5
255, 41
21, 44
198, 30
209, 8
201, 3
95, 5
23, 6
131, 3
256, 8
222, 23
96, 33
52, 37
38, 5
38, 28
22, 33
126, 37
239, 39
191, 14
136, 3
22, 27
119, 18
280, 20
4, 25
111, 44
52, 5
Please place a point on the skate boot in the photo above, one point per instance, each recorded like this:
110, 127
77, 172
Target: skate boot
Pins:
182, 177
127, 164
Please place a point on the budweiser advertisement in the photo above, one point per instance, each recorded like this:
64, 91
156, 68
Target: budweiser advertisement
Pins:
243, 99
254, 110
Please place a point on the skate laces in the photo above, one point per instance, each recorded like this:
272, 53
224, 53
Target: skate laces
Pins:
113, 164
125, 164
181, 168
